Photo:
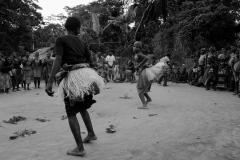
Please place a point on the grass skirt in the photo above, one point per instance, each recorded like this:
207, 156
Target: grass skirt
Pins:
147, 76
79, 83
156, 70
143, 83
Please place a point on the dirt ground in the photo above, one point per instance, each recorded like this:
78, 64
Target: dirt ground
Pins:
189, 123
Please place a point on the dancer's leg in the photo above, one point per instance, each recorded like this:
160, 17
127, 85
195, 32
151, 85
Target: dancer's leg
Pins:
148, 97
75, 128
141, 96
87, 121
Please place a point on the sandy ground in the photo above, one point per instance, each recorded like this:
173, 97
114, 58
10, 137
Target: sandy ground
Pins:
191, 124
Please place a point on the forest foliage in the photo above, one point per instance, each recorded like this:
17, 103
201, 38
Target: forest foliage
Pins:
178, 27
18, 20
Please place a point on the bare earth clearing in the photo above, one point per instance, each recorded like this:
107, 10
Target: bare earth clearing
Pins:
191, 124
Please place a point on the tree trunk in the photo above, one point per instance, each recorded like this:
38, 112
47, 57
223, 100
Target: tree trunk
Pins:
140, 24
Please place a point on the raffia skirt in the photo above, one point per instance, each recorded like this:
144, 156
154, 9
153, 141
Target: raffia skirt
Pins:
80, 83
147, 76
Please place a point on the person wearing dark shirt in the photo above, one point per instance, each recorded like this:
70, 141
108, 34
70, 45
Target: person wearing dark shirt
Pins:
5, 69
78, 81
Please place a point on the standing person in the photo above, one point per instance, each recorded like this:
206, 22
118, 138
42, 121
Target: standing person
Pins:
78, 85
237, 69
143, 82
166, 60
146, 74
17, 72
237, 76
232, 60
27, 71
202, 58
221, 80
101, 59
5, 78
37, 70
1, 74
103, 72
201, 67
20, 77
194, 74
116, 68
47, 67
210, 72
110, 59
130, 70
233, 64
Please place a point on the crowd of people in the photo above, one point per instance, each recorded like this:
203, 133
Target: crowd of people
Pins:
18, 71
118, 69
211, 69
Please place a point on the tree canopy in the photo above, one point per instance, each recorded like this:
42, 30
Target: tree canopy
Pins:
178, 27
198, 24
18, 20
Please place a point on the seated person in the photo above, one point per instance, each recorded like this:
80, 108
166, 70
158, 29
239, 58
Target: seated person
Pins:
183, 75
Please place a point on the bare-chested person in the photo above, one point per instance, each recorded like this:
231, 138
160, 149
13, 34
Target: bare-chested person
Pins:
147, 73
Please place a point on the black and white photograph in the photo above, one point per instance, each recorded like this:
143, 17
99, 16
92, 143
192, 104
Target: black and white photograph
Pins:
120, 79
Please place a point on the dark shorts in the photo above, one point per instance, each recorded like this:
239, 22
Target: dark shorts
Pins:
72, 108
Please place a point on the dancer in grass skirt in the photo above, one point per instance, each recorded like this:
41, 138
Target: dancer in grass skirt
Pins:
78, 83
146, 73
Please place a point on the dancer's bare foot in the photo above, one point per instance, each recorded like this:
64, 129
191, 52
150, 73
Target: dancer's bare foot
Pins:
149, 100
76, 152
89, 138
143, 107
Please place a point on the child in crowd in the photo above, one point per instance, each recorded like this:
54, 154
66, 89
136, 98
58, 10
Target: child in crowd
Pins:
103, 71
194, 74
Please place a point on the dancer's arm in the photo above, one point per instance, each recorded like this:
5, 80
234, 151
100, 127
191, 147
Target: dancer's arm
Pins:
58, 61
56, 67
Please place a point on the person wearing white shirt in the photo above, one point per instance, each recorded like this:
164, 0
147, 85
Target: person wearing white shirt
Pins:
110, 59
